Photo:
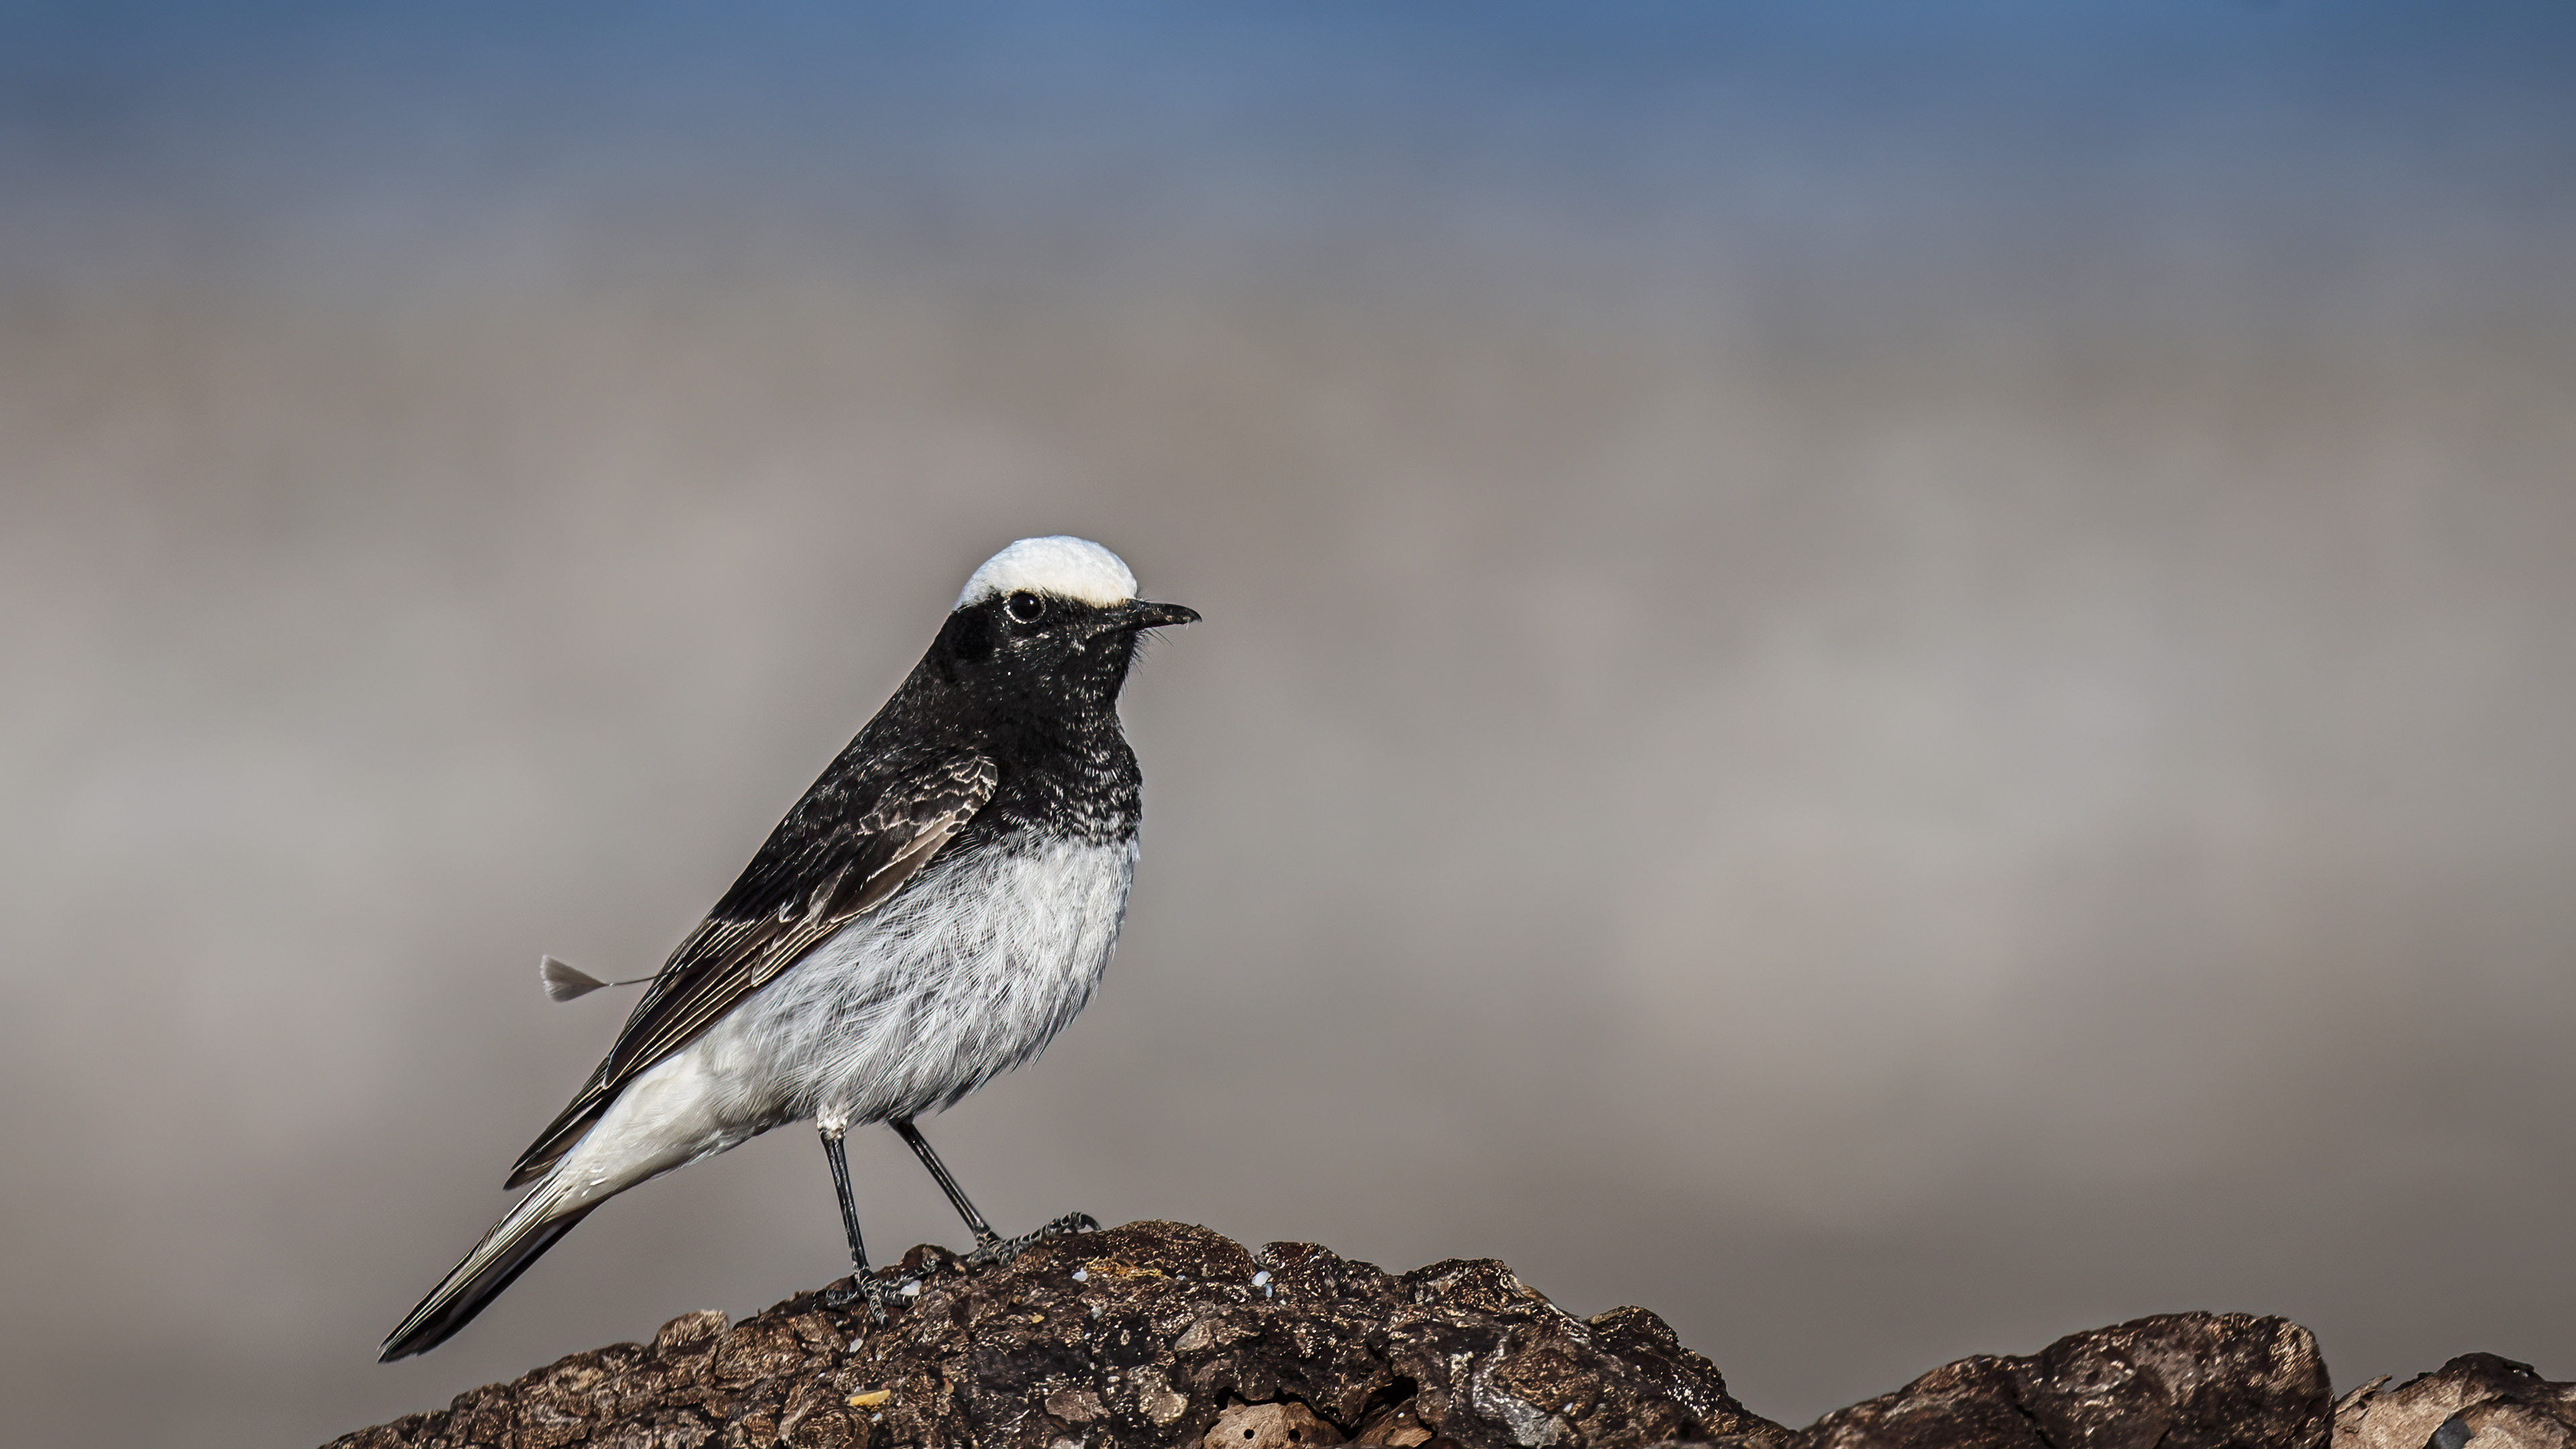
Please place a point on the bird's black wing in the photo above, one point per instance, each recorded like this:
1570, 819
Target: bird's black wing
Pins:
845, 848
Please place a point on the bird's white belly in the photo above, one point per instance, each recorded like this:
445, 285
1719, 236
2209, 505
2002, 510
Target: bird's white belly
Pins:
968, 972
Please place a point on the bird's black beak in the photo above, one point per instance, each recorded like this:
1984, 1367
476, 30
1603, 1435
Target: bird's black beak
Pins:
1137, 615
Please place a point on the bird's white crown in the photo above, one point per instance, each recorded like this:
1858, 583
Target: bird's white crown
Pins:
1065, 567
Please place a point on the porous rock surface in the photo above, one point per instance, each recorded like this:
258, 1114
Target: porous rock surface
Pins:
1165, 1336
2175, 1381
1154, 1334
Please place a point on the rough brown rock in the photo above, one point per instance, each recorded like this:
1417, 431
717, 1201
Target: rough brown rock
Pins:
1164, 1336
2175, 1381
2476, 1401
1154, 1334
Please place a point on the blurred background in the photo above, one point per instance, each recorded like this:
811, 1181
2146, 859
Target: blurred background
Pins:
1894, 678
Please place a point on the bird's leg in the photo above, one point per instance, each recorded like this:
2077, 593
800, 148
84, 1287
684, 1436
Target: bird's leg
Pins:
985, 1238
866, 1280
990, 1247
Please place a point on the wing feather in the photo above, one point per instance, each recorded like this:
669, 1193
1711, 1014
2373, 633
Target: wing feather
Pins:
831, 861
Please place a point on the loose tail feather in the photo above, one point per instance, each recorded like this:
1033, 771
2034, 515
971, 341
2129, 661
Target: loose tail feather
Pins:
496, 1262
564, 981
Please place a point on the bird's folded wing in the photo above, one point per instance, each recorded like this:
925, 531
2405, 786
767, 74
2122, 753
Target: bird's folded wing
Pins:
833, 859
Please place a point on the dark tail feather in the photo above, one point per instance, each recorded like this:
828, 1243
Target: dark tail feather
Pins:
496, 1262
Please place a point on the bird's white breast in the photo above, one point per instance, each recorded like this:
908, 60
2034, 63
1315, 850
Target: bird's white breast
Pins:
966, 973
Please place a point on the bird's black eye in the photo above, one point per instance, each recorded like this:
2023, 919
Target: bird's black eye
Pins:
1026, 607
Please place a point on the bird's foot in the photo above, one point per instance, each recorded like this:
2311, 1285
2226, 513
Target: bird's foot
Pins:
864, 1288
997, 1251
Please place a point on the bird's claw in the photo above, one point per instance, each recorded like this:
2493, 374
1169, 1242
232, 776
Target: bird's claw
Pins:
997, 1251
864, 1289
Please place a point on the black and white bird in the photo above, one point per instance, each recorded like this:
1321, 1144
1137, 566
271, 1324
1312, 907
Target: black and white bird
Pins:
933, 911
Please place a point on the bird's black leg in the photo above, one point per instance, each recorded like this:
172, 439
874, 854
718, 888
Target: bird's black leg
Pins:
985, 1238
867, 1287
990, 1247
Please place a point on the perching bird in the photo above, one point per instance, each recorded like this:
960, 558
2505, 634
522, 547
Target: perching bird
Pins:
931, 913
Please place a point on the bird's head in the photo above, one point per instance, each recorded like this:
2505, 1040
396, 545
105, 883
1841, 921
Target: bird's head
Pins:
1049, 624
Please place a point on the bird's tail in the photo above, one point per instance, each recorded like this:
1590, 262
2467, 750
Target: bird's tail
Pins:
516, 1241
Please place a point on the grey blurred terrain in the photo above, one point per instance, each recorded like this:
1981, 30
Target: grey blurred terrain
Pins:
1897, 682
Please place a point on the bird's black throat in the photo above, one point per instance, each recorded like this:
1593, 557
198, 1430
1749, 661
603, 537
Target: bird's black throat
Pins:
1038, 697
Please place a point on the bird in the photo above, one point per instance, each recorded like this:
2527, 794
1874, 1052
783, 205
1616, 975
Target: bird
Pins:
930, 914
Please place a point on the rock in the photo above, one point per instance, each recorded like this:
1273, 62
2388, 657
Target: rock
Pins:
1164, 1336
2176, 1381
1154, 1334
1270, 1426
2476, 1401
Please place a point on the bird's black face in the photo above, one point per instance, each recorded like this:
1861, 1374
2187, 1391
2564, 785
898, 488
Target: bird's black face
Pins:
1040, 653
